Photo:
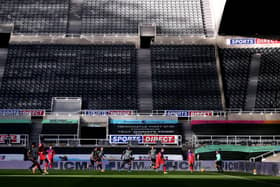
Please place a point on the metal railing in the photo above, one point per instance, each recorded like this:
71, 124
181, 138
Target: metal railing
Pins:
235, 140
262, 156
57, 139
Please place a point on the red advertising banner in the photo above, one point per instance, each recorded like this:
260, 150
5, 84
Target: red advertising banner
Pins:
266, 41
163, 139
120, 112
201, 113
13, 138
35, 112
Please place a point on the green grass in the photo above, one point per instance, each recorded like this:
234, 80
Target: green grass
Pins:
134, 179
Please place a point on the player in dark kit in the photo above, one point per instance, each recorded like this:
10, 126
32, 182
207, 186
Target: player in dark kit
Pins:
33, 157
43, 158
153, 154
93, 157
100, 156
127, 158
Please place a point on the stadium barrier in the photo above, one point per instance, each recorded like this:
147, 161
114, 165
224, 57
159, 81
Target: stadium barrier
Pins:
235, 140
113, 165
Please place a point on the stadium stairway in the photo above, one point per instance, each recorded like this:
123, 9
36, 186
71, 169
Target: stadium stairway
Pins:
253, 82
36, 129
144, 76
274, 158
3, 58
74, 24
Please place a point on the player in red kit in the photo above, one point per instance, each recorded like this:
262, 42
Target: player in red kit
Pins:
43, 158
51, 153
160, 161
191, 160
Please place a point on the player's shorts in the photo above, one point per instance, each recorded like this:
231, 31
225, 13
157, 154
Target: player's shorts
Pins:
92, 162
127, 161
219, 163
191, 164
50, 160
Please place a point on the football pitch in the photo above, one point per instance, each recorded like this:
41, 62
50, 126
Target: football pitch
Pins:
134, 179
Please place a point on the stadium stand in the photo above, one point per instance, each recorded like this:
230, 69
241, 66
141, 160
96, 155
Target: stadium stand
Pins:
35, 16
171, 17
235, 69
185, 77
173, 87
268, 92
103, 75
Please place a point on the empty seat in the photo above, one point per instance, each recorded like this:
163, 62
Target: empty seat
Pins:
185, 77
103, 75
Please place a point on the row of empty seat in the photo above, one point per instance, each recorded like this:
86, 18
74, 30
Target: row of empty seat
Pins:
185, 77
103, 75
35, 16
235, 69
172, 17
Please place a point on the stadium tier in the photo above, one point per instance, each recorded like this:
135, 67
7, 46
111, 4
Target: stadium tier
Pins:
103, 75
185, 76
35, 16
171, 17
236, 71
108, 17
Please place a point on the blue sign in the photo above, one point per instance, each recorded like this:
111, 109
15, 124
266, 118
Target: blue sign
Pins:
96, 112
10, 112
124, 139
179, 113
242, 41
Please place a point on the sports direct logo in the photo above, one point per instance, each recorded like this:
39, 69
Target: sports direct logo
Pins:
120, 139
162, 139
251, 41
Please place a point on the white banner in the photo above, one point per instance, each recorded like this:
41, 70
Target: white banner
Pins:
9, 157
86, 157
12, 138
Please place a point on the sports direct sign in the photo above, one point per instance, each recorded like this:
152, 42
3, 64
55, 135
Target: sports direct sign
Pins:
124, 139
162, 139
107, 112
201, 113
251, 41
143, 139
22, 112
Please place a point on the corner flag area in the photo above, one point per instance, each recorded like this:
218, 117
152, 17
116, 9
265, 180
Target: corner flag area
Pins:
134, 179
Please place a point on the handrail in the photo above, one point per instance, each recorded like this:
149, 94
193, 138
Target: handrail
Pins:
253, 159
235, 139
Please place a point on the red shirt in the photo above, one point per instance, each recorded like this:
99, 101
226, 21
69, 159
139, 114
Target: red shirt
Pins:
42, 155
191, 158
